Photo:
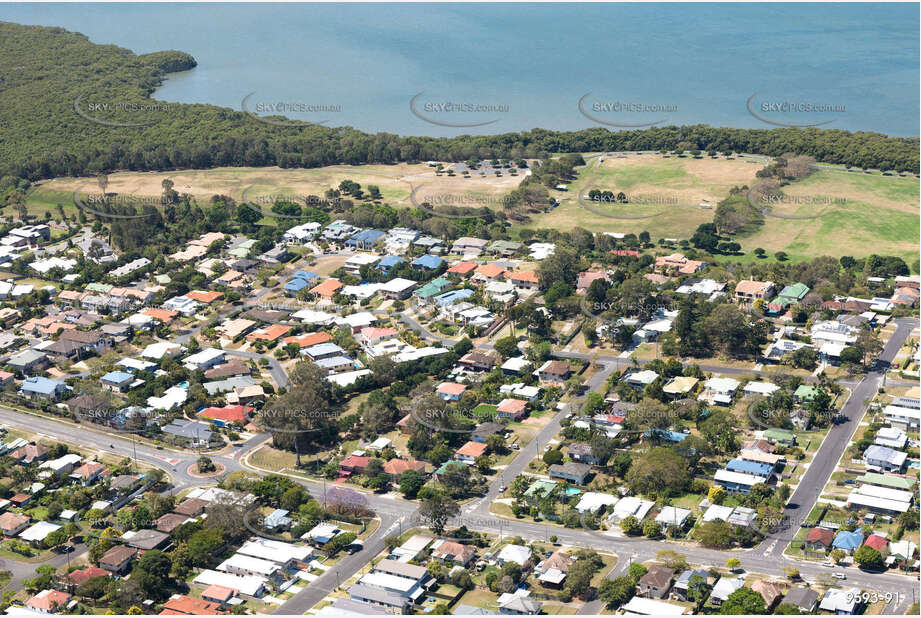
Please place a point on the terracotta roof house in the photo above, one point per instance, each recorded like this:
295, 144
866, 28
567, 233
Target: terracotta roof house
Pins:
879, 543
679, 263
489, 272
585, 279
451, 391
395, 467
309, 339
203, 296
354, 464
81, 576
470, 451
48, 601
819, 539
771, 592
524, 279
463, 269
750, 290
512, 408
269, 333
30, 453
237, 415
183, 605
452, 551
218, 594
328, 288
163, 315
761, 445
12, 524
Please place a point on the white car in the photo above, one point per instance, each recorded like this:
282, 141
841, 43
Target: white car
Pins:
839, 575
828, 564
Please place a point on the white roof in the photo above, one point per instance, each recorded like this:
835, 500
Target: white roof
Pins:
276, 551
737, 478
417, 542
726, 586
309, 316
249, 563
884, 492
896, 506
174, 396
250, 585
205, 356
388, 582
321, 530
137, 365
362, 318
515, 363
360, 259
592, 501
650, 607
632, 505
38, 531
397, 285
903, 548
837, 600
717, 511
515, 553
63, 461
646, 376
348, 378
159, 349
761, 388
722, 385
671, 515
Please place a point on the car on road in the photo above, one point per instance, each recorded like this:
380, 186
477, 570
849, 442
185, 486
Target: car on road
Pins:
839, 575
64, 549
502, 487
828, 564
547, 448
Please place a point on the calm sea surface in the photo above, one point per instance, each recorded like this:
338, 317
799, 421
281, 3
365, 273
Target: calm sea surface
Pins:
424, 69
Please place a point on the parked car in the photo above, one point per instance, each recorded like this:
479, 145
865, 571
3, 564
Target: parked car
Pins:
839, 575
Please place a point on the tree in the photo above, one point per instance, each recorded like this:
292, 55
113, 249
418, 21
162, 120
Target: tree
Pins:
507, 347
652, 529
660, 471
553, 457
787, 609
411, 481
151, 572
630, 525
615, 592
636, 571
743, 601
837, 555
868, 557
716, 495
579, 577
437, 510
484, 464
672, 559
733, 563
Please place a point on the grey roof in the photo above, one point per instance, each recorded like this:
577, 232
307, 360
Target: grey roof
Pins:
184, 428
363, 592
351, 606
219, 386
801, 597
146, 539
571, 467
402, 569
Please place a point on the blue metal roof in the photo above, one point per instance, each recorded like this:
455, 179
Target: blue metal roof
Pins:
668, 434
41, 385
305, 275
750, 467
428, 261
449, 298
365, 237
296, 285
117, 376
389, 261
848, 540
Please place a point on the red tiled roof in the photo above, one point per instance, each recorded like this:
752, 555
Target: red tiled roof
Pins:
327, 288
191, 606
876, 542
204, 297
230, 414
305, 341
462, 268
472, 449
451, 388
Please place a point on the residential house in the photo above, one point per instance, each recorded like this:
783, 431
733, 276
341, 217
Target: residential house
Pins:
582, 453
513, 409
554, 372
804, 599
48, 601
819, 539
771, 592
884, 459
117, 559
749, 291
656, 583
572, 472
453, 552
469, 452
478, 360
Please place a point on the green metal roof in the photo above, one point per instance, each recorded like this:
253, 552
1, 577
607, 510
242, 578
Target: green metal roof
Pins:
796, 291
884, 480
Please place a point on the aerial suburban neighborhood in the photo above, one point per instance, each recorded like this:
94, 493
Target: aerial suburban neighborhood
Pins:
326, 350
